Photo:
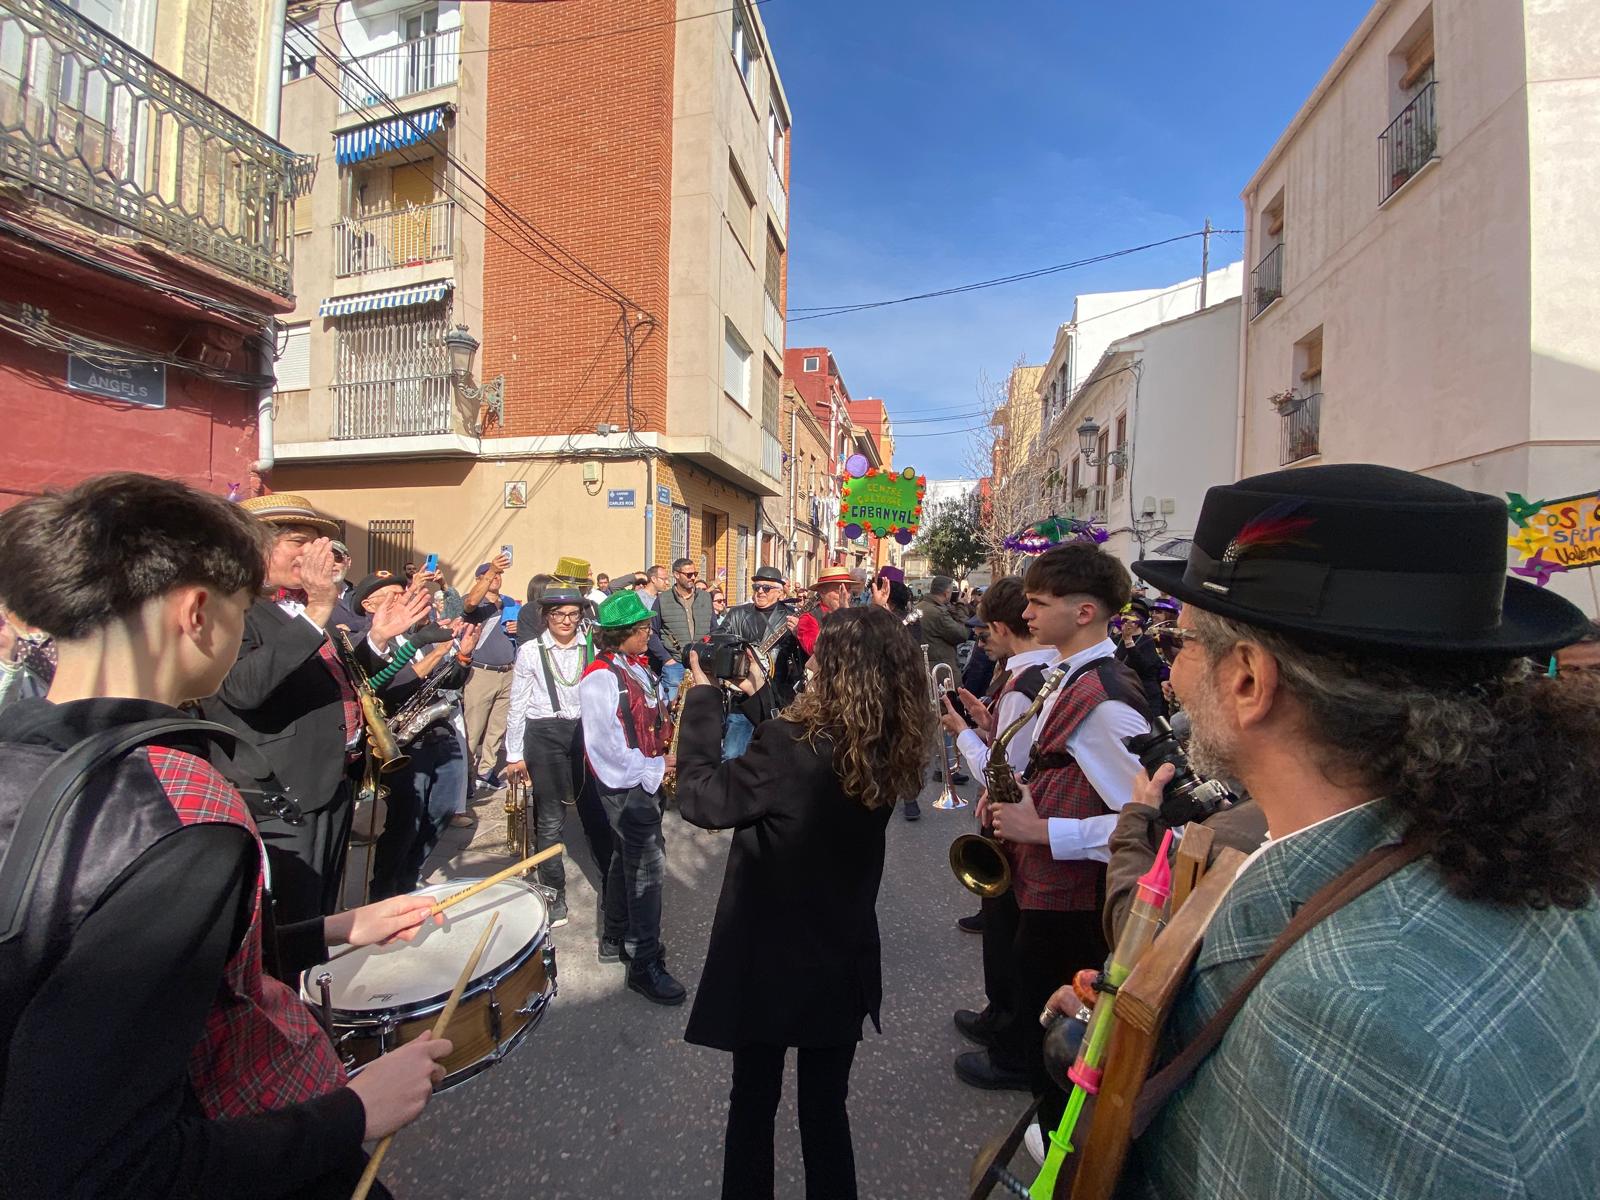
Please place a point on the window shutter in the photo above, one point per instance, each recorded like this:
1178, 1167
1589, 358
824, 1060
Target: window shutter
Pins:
1418, 59
294, 365
771, 389
774, 267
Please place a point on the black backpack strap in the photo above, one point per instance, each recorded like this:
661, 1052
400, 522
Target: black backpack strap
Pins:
63, 783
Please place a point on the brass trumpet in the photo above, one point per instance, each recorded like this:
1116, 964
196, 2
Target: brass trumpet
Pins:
517, 819
978, 859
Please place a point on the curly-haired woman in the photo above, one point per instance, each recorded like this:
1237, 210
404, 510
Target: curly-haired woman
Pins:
794, 955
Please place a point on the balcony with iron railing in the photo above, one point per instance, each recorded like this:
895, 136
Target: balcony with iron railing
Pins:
385, 408
393, 73
1266, 281
384, 241
1410, 142
91, 122
1300, 428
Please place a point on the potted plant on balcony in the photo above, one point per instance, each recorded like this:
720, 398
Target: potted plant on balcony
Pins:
1284, 402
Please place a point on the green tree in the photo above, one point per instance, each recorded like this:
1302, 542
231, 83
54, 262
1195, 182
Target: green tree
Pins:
952, 540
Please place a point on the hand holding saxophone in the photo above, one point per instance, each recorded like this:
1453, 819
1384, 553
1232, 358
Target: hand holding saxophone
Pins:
1020, 822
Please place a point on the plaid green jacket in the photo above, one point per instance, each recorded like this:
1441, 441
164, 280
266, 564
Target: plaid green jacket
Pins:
1411, 1045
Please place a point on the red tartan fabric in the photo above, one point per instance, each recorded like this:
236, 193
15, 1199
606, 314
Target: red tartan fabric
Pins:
1040, 882
262, 1049
353, 720
650, 720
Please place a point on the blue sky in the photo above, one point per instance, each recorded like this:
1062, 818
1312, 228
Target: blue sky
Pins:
941, 142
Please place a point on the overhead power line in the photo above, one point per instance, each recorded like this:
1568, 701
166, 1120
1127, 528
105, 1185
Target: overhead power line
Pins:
817, 313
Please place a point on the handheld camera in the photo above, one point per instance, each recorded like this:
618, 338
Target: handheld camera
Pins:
1186, 797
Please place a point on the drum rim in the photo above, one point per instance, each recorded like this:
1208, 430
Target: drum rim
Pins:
401, 1013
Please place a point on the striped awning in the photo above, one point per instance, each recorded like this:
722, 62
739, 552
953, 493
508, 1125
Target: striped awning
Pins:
368, 140
425, 293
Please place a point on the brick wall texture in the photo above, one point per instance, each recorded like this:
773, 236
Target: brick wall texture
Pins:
579, 137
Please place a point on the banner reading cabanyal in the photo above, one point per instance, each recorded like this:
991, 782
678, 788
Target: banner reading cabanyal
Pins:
886, 502
1555, 535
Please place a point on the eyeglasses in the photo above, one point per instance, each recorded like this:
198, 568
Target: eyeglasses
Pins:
983, 635
769, 587
563, 614
689, 574
1170, 639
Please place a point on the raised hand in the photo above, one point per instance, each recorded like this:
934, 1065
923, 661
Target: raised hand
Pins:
399, 613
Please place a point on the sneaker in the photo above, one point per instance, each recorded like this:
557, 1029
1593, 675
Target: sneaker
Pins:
610, 950
1034, 1141
972, 924
913, 811
462, 820
558, 913
653, 983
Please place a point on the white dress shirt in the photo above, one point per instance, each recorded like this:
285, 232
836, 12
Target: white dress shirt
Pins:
295, 609
530, 694
1096, 746
615, 763
1007, 713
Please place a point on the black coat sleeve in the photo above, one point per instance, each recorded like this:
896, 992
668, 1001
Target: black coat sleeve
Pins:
96, 1099
267, 658
721, 795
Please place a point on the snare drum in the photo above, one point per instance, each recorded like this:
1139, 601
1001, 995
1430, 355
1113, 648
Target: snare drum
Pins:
383, 996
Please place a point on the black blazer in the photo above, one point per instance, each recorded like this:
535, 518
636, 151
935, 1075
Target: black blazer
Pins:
794, 958
281, 695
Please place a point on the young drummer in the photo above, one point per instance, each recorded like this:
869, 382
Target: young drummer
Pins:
146, 1051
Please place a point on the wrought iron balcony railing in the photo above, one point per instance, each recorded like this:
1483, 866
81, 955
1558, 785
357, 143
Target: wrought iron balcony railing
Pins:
383, 408
90, 121
1266, 281
405, 237
1411, 140
419, 65
1301, 425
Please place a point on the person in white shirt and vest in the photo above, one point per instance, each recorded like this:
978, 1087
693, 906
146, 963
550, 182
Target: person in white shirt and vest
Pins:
626, 733
1079, 778
544, 731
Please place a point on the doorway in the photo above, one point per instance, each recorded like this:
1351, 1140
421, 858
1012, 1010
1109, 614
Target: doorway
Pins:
712, 568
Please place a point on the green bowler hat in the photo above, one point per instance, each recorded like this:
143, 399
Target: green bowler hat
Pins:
622, 610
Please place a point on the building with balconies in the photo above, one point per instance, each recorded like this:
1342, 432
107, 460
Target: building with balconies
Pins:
607, 218
144, 239
1425, 248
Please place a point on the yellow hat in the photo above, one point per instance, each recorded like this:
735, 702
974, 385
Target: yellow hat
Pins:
574, 569
280, 508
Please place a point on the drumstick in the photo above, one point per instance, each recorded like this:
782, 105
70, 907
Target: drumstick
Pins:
439, 1027
533, 860
466, 893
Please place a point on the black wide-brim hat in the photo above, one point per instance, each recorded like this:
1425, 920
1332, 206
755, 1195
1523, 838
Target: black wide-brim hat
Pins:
1363, 555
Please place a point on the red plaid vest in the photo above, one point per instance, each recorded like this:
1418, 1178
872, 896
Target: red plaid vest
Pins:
261, 1048
645, 722
1037, 879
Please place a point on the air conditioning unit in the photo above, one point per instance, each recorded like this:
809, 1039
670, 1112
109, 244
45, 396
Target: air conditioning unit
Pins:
591, 472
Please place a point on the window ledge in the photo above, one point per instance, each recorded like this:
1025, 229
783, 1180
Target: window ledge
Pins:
1276, 300
1424, 169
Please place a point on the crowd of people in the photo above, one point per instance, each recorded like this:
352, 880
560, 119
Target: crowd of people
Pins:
197, 706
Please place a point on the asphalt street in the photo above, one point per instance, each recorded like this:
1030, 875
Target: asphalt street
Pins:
605, 1098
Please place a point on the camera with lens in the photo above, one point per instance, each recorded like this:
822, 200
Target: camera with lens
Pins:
1186, 796
724, 656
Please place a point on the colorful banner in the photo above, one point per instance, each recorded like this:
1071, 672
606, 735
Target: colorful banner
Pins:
886, 503
1555, 535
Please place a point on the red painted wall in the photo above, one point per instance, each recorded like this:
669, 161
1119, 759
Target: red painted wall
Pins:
53, 438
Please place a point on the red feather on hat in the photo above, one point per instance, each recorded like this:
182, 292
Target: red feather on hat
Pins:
1275, 526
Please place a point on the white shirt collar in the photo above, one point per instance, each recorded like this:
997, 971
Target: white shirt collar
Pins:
1271, 841
551, 644
1044, 656
1104, 648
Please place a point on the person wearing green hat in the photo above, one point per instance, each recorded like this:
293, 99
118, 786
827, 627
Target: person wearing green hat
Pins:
626, 735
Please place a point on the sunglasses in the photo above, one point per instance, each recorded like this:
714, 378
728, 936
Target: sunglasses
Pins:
1170, 641
769, 587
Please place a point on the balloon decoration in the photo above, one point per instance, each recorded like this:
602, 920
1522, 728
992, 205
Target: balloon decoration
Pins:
882, 501
1053, 531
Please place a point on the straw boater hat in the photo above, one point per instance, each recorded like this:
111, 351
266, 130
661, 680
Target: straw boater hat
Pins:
280, 508
838, 575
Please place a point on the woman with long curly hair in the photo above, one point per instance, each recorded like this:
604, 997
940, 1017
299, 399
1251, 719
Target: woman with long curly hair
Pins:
794, 955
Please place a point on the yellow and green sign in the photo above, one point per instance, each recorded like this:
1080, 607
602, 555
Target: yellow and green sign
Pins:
887, 503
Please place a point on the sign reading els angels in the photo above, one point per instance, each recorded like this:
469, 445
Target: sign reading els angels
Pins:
885, 502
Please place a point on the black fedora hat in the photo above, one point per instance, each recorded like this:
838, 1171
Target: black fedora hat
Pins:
769, 575
1358, 554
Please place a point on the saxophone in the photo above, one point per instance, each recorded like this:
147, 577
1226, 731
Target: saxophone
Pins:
380, 738
976, 858
423, 709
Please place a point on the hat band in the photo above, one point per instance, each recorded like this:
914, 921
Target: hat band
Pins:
1428, 603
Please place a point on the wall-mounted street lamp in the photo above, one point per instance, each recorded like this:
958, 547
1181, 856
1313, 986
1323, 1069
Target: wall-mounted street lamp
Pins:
1089, 438
463, 349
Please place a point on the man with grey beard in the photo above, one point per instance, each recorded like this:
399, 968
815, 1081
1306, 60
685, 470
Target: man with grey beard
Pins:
1425, 1025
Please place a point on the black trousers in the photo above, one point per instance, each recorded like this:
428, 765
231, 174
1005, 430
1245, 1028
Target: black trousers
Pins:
422, 796
307, 860
999, 928
824, 1085
1047, 950
552, 748
637, 872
